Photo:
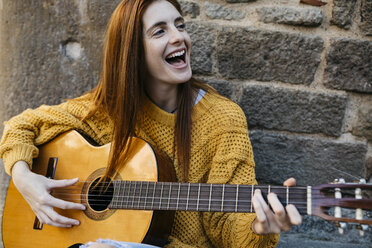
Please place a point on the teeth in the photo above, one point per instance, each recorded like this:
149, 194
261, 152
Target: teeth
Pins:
180, 53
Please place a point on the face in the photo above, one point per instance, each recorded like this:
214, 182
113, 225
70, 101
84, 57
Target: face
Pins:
167, 44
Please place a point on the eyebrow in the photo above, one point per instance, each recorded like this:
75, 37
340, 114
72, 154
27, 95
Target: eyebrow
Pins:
178, 19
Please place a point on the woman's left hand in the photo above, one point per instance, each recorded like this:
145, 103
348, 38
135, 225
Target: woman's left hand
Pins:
279, 218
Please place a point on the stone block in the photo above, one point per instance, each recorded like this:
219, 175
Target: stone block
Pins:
342, 13
291, 16
190, 8
99, 12
349, 65
223, 87
316, 232
363, 126
247, 53
366, 17
217, 11
203, 38
36, 35
310, 160
294, 110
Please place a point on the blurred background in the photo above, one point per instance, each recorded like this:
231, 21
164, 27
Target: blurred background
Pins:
301, 72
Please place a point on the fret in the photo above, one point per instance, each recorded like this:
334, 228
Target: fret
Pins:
178, 196
140, 196
252, 198
134, 194
287, 196
121, 196
161, 194
116, 200
157, 192
146, 195
183, 196
153, 196
210, 196
229, 198
197, 203
165, 196
126, 205
188, 195
236, 198
216, 197
222, 198
113, 203
169, 196
122, 192
204, 197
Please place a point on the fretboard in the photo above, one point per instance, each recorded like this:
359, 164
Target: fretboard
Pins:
199, 197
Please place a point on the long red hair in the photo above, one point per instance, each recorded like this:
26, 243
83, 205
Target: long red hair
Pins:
121, 87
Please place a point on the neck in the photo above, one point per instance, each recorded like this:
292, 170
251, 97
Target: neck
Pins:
200, 197
164, 96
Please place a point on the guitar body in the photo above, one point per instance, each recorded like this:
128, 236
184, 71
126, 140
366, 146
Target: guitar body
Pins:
77, 158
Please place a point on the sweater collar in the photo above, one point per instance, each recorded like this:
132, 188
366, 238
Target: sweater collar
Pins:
169, 119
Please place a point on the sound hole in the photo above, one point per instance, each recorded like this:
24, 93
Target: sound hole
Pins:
100, 195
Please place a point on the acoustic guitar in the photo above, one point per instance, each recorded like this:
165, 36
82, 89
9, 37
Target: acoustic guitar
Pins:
138, 204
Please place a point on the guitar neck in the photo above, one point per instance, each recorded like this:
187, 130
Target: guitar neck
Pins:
200, 197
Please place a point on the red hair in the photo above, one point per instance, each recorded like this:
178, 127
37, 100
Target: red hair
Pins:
121, 87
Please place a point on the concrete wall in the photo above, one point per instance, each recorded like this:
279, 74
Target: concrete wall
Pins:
301, 73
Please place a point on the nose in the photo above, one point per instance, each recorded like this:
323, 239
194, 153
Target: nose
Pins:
176, 36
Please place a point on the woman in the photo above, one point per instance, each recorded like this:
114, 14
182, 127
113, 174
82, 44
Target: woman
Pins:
146, 89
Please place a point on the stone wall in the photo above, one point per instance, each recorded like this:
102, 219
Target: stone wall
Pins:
301, 73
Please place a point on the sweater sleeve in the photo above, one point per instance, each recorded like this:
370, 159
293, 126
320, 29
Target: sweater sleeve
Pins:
233, 164
24, 132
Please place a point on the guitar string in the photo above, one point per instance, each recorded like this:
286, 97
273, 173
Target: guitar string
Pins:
138, 200
172, 198
264, 189
227, 194
79, 196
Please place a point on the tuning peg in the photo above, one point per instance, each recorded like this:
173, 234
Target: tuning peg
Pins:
341, 227
338, 214
362, 228
359, 212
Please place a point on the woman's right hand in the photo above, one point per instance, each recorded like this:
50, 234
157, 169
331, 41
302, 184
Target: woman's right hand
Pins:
36, 189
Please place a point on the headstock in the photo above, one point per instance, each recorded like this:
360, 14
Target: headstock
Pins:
339, 196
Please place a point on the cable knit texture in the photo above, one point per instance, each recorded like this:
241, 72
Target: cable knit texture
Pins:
220, 153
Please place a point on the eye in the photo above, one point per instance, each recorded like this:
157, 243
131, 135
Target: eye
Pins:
181, 26
158, 32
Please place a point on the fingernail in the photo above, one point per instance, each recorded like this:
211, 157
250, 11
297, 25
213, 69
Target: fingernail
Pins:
82, 207
76, 223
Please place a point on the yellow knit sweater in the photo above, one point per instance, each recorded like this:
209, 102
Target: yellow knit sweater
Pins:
220, 153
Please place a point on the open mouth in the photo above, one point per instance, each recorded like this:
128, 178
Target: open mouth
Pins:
176, 58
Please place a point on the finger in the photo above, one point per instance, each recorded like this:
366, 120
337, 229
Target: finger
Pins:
62, 183
58, 203
277, 207
290, 182
274, 225
44, 219
260, 213
58, 219
294, 216
260, 224
282, 220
